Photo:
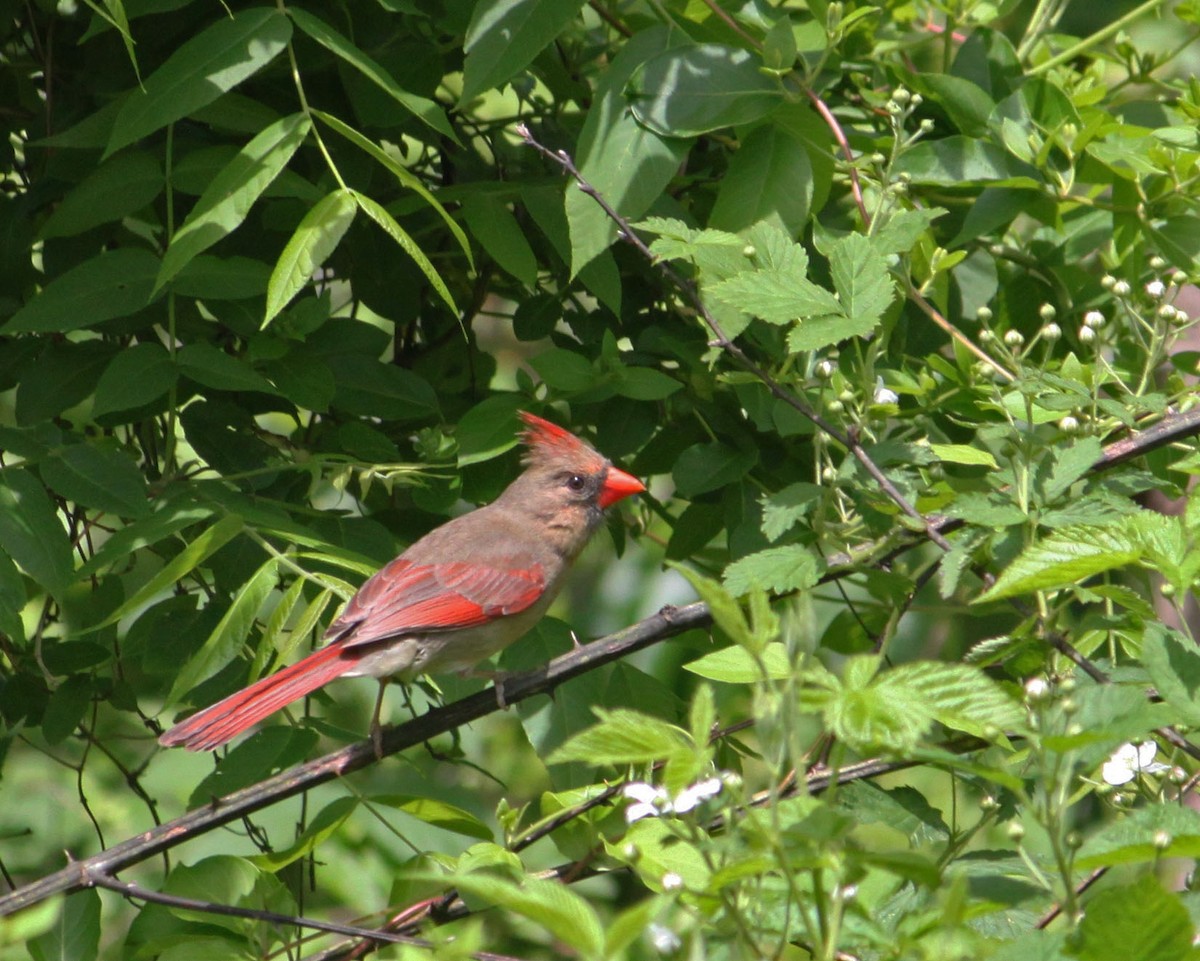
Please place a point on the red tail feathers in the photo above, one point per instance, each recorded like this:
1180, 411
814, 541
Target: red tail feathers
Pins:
212, 727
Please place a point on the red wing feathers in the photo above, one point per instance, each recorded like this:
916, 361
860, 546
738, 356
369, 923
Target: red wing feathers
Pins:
407, 598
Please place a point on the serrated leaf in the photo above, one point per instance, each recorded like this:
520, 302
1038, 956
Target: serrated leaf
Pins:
782, 509
736, 665
776, 296
1137, 838
779, 570
31, 532
314, 240
209, 64
861, 278
622, 737
1064, 558
960, 696
116, 283
425, 110
230, 194
551, 904
1174, 667
1135, 922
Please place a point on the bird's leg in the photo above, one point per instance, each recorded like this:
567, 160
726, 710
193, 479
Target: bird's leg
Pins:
496, 677
376, 727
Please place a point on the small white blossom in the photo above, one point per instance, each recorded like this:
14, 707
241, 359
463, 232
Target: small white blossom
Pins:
1036, 688
884, 395
648, 801
1156, 288
1130, 760
689, 797
665, 940
672, 881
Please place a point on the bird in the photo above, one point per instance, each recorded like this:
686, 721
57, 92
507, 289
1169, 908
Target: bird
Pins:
455, 597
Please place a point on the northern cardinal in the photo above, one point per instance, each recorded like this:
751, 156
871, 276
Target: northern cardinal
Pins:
458, 595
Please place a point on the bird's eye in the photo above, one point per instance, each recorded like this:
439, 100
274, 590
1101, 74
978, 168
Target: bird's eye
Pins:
576, 483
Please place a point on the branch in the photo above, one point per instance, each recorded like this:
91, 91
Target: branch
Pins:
78, 875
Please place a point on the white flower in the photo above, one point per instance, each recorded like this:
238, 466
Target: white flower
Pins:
1156, 288
1130, 760
671, 881
689, 797
648, 801
883, 395
1037, 689
665, 940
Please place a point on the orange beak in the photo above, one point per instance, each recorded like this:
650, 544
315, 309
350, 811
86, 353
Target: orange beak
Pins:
618, 485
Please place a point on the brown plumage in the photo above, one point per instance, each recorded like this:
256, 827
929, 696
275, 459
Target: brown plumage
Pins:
461, 593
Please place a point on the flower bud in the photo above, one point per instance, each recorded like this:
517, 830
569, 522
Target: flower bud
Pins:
1121, 288
1051, 332
983, 314
1047, 312
1014, 338
1094, 319
1157, 262
1156, 288
1016, 832
1086, 335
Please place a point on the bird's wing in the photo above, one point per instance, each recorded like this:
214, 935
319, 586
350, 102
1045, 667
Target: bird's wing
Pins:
408, 598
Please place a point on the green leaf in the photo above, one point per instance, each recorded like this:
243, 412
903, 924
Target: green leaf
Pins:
406, 178
1135, 922
736, 665
437, 813
784, 508
622, 737
228, 637
371, 388
488, 429
628, 164
776, 296
497, 230
76, 933
1174, 667
135, 377
960, 696
966, 103
31, 532
1144, 836
112, 284
222, 278
725, 610
504, 36
694, 90
770, 178
210, 540
959, 161
645, 383
97, 476
963, 454
326, 822
422, 108
393, 229
66, 708
779, 570
1066, 557
564, 370
231, 193
315, 239
207, 365
209, 64
551, 904
863, 284
120, 186
706, 467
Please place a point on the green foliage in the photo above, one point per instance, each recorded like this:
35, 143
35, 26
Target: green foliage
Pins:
910, 365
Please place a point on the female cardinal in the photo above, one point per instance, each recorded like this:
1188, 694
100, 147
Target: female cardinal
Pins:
458, 595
